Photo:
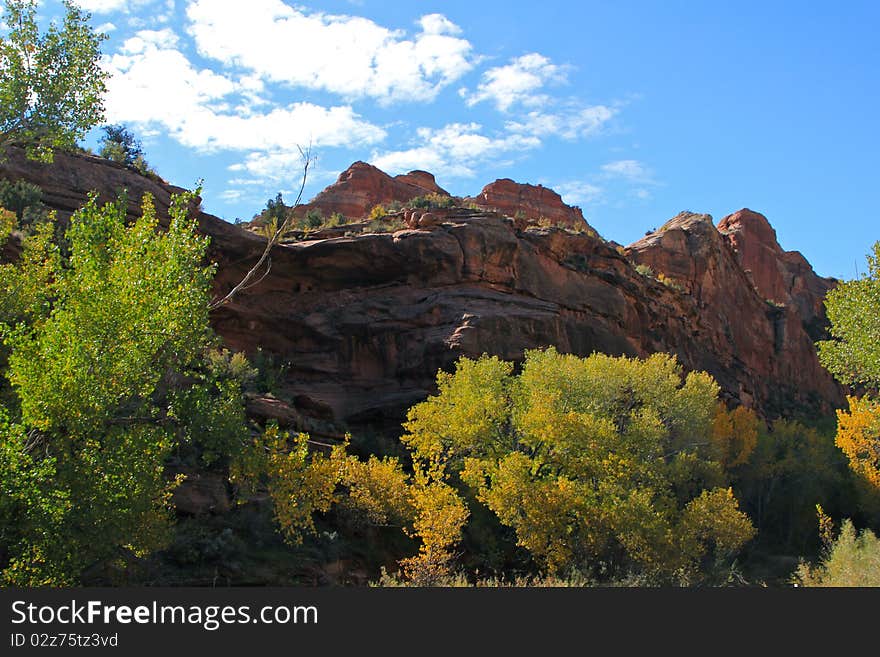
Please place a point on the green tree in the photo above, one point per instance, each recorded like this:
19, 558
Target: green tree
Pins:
24, 199
110, 367
853, 353
792, 468
600, 464
121, 146
853, 357
51, 84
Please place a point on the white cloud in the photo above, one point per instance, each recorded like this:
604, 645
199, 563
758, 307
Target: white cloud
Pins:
517, 82
231, 195
438, 24
346, 55
457, 149
567, 124
579, 192
631, 170
454, 150
103, 6
107, 6
141, 42
195, 107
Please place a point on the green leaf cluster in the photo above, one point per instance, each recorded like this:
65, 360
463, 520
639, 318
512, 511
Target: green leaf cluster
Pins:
110, 367
51, 83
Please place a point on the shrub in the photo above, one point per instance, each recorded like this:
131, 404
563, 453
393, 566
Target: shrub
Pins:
336, 219
853, 559
377, 212
669, 282
432, 200
382, 225
120, 145
270, 372
314, 219
24, 199
645, 270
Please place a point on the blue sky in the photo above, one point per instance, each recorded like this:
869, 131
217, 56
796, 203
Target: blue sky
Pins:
632, 110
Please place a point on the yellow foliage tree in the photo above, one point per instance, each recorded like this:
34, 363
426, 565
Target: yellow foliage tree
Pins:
591, 461
303, 482
858, 436
734, 434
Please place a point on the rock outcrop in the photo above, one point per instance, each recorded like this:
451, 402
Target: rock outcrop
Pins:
367, 320
362, 186
534, 203
784, 277
763, 349
68, 181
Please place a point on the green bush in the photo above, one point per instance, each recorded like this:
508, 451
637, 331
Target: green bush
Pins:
24, 199
120, 145
381, 225
270, 372
432, 200
853, 559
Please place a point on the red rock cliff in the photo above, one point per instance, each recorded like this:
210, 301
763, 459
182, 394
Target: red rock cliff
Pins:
765, 346
366, 321
784, 277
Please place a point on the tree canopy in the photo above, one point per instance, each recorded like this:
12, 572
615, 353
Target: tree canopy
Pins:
106, 346
852, 354
599, 464
51, 83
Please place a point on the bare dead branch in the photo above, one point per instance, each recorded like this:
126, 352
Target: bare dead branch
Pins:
277, 233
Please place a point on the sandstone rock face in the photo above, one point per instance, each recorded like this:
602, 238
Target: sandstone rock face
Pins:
534, 202
67, 182
367, 321
362, 186
784, 277
763, 351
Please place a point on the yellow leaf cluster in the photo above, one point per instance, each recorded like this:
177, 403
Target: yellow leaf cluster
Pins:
734, 435
858, 436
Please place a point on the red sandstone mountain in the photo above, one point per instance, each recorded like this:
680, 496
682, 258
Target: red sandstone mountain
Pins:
367, 320
768, 341
362, 186
535, 203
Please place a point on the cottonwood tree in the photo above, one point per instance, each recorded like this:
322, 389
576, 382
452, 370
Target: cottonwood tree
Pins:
852, 355
109, 365
600, 464
51, 83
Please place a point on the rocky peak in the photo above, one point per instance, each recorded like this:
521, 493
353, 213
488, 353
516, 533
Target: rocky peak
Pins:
784, 277
422, 180
535, 203
682, 249
768, 340
363, 186
752, 227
